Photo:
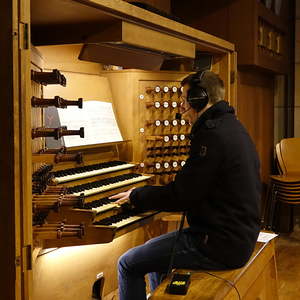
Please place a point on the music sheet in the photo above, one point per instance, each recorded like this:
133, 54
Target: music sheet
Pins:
98, 120
265, 237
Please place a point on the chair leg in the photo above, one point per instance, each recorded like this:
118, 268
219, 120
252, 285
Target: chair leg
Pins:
291, 223
269, 211
274, 218
264, 220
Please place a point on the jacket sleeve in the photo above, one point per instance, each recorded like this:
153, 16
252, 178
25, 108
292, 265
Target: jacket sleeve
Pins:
192, 184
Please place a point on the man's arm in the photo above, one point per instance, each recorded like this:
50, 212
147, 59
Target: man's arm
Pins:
193, 183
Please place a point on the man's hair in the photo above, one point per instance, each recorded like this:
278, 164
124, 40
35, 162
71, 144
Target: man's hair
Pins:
211, 82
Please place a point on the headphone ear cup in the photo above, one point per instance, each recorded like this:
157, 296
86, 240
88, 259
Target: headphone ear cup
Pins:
197, 97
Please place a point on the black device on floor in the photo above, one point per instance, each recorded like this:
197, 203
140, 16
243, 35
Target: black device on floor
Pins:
179, 284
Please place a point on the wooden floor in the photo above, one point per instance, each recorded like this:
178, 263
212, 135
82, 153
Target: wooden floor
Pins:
288, 265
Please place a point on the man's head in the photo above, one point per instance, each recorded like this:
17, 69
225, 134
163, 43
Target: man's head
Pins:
203, 89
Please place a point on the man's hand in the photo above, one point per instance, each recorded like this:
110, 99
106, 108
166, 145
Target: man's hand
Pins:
122, 197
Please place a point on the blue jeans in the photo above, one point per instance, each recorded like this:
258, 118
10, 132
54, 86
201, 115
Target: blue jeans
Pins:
153, 258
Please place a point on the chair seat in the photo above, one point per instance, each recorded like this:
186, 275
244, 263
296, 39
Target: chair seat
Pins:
288, 194
287, 188
291, 179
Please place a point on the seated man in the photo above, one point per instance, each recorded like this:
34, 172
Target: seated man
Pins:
219, 188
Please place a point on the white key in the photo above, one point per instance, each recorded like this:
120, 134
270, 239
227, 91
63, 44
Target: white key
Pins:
104, 207
126, 221
91, 173
112, 186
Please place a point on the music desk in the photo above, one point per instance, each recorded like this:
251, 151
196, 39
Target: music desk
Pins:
257, 280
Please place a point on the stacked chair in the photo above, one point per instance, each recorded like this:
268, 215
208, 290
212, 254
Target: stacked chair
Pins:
284, 188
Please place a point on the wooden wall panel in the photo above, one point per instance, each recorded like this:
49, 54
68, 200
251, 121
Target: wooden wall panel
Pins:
69, 273
255, 111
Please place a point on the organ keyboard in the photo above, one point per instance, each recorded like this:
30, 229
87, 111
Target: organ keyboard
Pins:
89, 171
104, 185
122, 219
78, 196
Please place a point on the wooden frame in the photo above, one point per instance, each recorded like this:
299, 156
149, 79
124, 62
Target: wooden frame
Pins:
10, 227
15, 230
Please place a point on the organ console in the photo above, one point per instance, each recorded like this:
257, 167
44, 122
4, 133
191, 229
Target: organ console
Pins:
70, 201
68, 204
79, 194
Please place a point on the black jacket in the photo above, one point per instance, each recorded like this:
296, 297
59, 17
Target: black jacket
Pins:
219, 187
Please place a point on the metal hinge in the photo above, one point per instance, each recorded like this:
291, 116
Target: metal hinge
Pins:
27, 257
23, 36
18, 261
232, 77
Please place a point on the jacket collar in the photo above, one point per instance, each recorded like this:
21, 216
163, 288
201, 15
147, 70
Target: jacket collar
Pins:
215, 111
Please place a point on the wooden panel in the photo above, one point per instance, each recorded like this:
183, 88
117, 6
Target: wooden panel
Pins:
65, 58
156, 40
56, 15
25, 158
234, 20
69, 273
130, 34
130, 96
163, 5
255, 111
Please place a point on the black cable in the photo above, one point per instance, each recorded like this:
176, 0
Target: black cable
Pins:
224, 279
205, 272
175, 242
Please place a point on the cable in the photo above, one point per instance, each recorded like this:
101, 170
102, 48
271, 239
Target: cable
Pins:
224, 279
175, 242
205, 272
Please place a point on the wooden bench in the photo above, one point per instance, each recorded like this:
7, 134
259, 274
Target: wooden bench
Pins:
255, 281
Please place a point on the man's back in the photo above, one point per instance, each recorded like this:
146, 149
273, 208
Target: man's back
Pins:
228, 214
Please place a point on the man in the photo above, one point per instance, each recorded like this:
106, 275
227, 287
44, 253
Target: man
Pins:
219, 188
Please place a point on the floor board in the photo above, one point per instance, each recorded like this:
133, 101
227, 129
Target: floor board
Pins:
288, 265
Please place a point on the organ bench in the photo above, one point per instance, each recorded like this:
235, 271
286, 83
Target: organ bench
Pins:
257, 280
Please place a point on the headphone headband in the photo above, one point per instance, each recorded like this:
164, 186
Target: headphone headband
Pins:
197, 96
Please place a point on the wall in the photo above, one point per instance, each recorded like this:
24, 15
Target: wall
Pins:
255, 111
279, 108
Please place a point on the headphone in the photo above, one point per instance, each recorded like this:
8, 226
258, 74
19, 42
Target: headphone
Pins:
197, 96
